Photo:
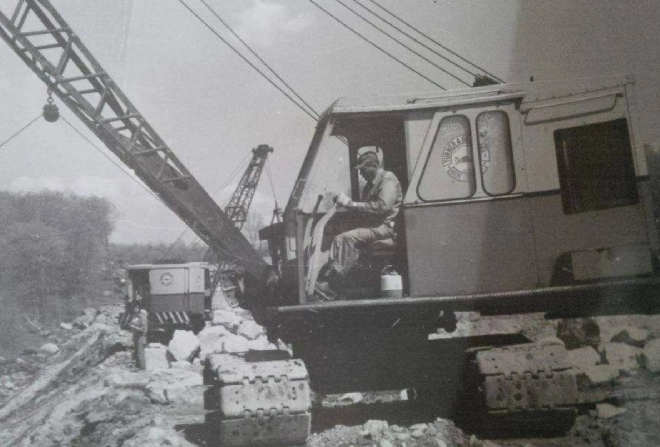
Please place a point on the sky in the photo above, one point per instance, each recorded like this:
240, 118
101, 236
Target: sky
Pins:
212, 108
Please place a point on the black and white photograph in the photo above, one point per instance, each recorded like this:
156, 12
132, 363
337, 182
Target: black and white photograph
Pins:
329, 223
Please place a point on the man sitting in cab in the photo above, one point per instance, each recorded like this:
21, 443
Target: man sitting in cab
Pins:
379, 205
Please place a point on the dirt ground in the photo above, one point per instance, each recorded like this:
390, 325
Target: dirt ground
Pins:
71, 399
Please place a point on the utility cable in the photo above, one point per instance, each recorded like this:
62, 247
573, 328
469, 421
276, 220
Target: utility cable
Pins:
226, 42
254, 53
402, 43
375, 45
435, 41
414, 39
21, 130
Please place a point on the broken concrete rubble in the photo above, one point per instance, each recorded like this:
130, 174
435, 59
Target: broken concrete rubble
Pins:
622, 356
226, 318
83, 321
250, 330
184, 345
578, 332
156, 356
234, 343
49, 348
583, 358
651, 354
375, 428
631, 336
598, 374
606, 411
169, 386
209, 336
66, 326
127, 379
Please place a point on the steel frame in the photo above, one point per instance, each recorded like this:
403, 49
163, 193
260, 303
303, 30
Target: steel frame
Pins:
72, 73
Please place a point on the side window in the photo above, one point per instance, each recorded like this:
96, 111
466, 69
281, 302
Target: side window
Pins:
495, 153
449, 169
596, 168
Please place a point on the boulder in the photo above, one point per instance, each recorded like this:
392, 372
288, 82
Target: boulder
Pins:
182, 365
417, 433
631, 336
622, 356
352, 398
583, 358
209, 337
155, 356
376, 428
598, 374
250, 330
578, 332
651, 354
138, 380
261, 344
606, 411
226, 318
158, 434
90, 311
49, 348
234, 343
184, 345
83, 321
66, 326
175, 386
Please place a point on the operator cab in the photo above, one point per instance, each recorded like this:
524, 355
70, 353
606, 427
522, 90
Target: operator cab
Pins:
343, 140
507, 188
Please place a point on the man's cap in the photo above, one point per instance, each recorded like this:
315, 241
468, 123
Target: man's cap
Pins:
143, 311
366, 158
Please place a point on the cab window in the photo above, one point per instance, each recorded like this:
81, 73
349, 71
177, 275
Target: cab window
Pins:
495, 153
449, 169
596, 167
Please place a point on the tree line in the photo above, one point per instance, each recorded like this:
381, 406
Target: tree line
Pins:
52, 243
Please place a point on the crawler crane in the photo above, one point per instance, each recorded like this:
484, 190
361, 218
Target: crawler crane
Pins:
519, 198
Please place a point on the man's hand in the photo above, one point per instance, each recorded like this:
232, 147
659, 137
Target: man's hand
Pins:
343, 200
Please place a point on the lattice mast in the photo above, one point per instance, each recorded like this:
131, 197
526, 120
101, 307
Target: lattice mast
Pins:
47, 44
238, 206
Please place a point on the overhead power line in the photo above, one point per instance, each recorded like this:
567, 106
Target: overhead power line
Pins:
254, 53
376, 45
426, 36
226, 42
403, 44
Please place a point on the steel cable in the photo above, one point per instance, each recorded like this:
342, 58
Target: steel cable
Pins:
426, 36
376, 45
226, 42
260, 58
21, 130
416, 53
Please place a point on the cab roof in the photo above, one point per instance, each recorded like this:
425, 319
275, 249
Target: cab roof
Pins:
167, 266
526, 91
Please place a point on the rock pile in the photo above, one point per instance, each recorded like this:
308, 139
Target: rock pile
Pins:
228, 333
604, 359
375, 433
